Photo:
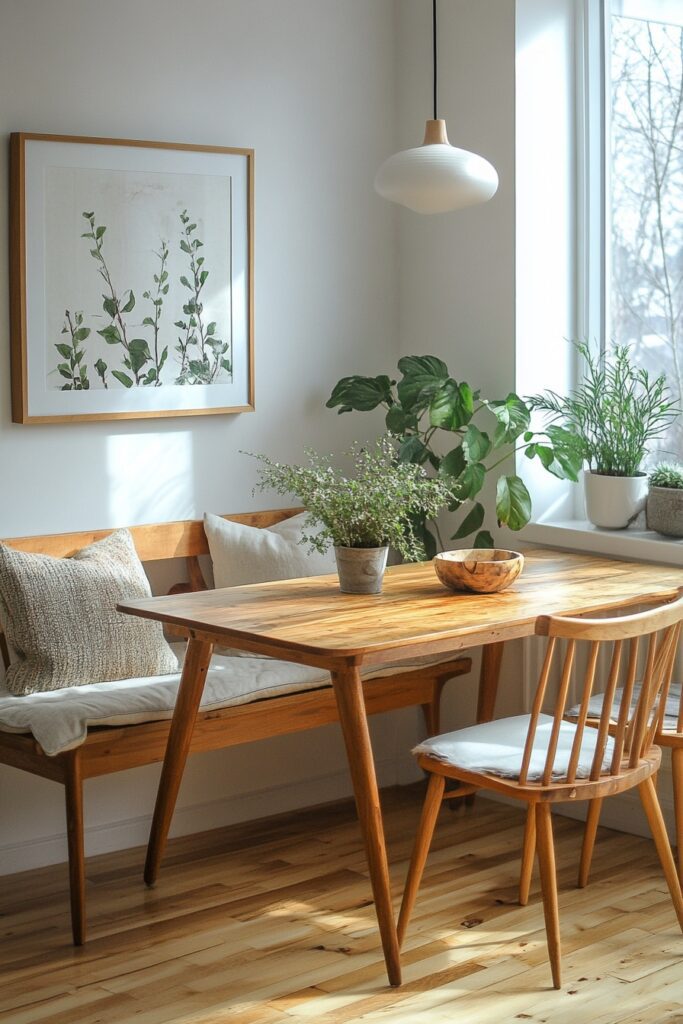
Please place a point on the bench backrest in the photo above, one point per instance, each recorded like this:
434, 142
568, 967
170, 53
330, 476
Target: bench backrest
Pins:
184, 538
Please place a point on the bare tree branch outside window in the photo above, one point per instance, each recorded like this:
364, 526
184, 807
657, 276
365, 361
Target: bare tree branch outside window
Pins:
646, 294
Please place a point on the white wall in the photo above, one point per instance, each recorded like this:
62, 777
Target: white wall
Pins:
457, 271
310, 85
457, 282
345, 282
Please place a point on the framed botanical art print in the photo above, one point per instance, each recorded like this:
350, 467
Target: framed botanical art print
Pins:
131, 291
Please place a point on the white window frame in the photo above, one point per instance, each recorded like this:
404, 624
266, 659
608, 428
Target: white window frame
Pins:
561, 256
592, 133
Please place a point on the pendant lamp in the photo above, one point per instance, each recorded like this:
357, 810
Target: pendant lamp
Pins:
436, 177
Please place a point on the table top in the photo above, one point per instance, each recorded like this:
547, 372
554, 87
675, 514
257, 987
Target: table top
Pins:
311, 621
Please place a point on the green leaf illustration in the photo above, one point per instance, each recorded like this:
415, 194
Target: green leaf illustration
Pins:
111, 335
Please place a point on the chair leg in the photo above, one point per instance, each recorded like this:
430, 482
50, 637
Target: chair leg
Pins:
423, 839
528, 854
677, 772
648, 794
73, 787
546, 863
592, 822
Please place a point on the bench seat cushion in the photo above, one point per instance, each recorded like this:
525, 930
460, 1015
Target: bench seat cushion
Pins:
59, 719
673, 702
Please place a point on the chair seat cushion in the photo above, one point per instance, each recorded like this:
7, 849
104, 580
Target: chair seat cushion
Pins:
59, 719
673, 701
497, 748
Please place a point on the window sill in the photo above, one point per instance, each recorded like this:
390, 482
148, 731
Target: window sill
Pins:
580, 535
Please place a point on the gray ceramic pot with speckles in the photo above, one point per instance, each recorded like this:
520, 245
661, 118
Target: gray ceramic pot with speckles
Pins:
361, 570
665, 511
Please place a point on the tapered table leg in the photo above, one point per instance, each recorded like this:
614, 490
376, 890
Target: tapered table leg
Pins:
348, 691
489, 677
190, 691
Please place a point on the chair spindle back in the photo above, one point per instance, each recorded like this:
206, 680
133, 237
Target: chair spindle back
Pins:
640, 712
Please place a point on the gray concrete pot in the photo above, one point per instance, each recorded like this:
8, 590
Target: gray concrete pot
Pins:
361, 570
665, 511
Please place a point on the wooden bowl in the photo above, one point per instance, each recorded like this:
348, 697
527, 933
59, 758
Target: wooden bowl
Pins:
482, 570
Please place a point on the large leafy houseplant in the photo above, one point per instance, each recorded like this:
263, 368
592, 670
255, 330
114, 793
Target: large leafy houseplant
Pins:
433, 416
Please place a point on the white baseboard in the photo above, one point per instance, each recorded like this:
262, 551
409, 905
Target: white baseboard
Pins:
623, 813
198, 817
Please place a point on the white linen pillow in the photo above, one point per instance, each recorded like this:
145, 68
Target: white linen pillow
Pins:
248, 554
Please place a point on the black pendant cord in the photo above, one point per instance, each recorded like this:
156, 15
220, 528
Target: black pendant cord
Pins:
434, 35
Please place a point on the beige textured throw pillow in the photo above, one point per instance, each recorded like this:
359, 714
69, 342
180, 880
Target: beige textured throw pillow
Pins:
59, 616
248, 554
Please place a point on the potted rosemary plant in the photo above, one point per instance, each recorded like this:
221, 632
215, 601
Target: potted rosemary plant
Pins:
665, 500
615, 412
361, 515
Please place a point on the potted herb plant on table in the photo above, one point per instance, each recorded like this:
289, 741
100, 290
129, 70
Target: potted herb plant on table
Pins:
665, 500
363, 514
615, 412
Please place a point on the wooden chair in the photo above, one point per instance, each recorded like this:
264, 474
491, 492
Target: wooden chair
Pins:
544, 759
669, 733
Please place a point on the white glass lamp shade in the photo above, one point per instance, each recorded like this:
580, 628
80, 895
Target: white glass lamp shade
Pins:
436, 177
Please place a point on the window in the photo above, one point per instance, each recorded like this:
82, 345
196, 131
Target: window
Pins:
643, 300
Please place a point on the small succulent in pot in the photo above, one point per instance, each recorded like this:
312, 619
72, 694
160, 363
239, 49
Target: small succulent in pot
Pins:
665, 500
364, 514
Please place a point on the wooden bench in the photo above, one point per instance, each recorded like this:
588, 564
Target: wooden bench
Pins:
113, 749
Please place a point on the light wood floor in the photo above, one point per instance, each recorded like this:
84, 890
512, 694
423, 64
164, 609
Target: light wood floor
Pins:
271, 922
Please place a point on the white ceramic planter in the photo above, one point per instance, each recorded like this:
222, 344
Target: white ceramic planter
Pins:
613, 502
361, 570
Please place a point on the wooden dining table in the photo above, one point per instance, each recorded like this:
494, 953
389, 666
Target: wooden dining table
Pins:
310, 622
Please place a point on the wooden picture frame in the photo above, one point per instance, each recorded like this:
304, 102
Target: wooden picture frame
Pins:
131, 279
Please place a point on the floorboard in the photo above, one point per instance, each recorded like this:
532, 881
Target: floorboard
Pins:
270, 923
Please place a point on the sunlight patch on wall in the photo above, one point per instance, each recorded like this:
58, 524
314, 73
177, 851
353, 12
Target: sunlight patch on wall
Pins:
150, 477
